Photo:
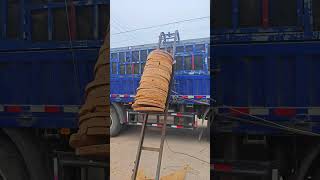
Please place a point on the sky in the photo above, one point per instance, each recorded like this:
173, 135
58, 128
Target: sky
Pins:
127, 15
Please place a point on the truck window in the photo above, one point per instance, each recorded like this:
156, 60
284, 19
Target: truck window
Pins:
179, 63
179, 49
128, 57
114, 56
198, 62
187, 63
121, 57
249, 13
136, 68
283, 13
122, 69
143, 55
200, 47
149, 50
60, 25
39, 23
114, 68
189, 48
316, 14
84, 16
142, 66
135, 56
222, 14
129, 69
14, 20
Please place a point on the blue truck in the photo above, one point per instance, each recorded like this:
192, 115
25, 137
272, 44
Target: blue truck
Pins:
190, 92
265, 89
47, 54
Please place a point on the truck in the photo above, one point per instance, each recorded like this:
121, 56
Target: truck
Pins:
47, 54
265, 90
190, 91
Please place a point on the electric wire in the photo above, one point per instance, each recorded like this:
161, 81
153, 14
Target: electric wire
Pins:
160, 25
175, 152
75, 64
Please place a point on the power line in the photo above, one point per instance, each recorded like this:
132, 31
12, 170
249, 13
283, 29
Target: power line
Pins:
160, 25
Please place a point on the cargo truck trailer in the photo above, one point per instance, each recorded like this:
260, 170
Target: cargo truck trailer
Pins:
266, 89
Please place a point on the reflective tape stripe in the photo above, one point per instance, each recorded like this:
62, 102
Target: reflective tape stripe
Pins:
71, 109
14, 108
314, 111
190, 97
37, 108
1, 108
259, 111
132, 96
121, 95
177, 126
52, 109
281, 111
41, 108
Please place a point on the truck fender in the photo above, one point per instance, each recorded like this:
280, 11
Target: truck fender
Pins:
120, 112
30, 153
307, 162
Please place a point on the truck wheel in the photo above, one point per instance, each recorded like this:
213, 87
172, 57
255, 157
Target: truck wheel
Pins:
115, 122
11, 164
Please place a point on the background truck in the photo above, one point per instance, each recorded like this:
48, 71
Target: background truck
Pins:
191, 87
265, 89
47, 54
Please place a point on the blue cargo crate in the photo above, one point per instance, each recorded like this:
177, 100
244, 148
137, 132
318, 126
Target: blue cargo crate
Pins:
47, 58
191, 80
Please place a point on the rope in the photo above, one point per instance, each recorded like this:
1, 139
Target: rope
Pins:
75, 65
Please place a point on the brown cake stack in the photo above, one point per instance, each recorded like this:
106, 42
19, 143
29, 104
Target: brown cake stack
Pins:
92, 138
154, 84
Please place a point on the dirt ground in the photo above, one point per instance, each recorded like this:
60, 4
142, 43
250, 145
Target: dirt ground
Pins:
124, 148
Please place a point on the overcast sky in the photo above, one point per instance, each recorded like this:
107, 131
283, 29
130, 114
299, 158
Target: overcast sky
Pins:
128, 15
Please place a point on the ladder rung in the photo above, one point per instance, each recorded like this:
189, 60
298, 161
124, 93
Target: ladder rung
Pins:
151, 149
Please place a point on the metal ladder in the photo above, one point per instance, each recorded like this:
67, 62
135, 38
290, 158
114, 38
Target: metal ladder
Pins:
164, 39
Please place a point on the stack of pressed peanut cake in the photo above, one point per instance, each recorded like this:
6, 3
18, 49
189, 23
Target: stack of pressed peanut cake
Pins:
154, 84
92, 138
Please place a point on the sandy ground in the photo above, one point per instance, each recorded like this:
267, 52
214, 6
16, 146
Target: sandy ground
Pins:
124, 148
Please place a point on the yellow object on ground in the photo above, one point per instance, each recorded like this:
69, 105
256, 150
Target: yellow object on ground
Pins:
177, 175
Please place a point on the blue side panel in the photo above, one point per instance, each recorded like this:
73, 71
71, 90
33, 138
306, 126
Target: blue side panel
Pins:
267, 75
45, 77
275, 81
192, 84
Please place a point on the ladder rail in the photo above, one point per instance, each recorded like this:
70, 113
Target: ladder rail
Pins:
162, 41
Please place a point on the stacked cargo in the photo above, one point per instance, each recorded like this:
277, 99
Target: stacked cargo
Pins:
92, 136
154, 85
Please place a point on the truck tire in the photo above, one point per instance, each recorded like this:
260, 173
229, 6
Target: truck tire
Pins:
115, 122
11, 164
